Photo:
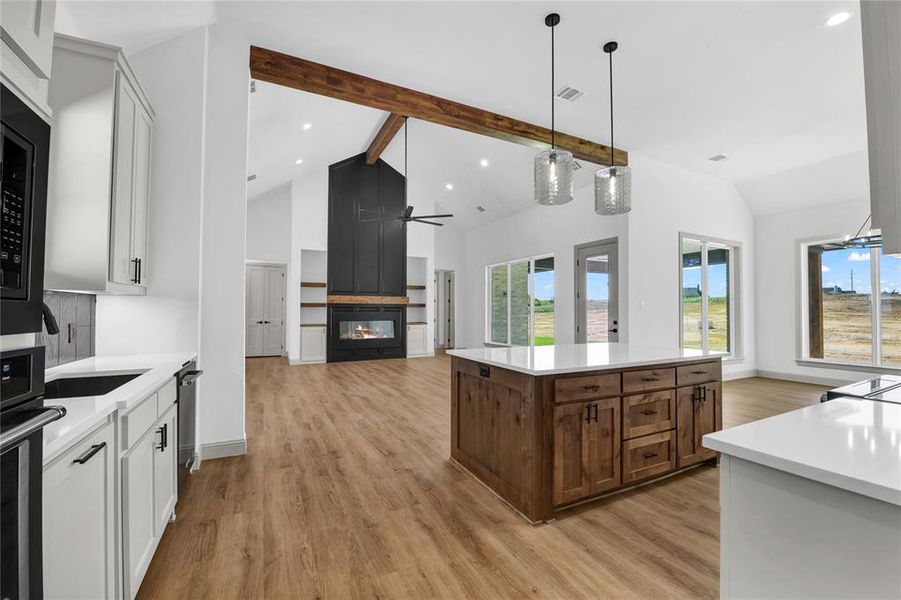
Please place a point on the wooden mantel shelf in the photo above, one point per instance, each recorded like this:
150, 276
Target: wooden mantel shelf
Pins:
340, 299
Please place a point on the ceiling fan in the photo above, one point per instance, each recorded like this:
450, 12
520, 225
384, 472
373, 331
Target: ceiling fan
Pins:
407, 217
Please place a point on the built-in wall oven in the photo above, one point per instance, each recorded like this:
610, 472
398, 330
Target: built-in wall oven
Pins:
24, 152
22, 419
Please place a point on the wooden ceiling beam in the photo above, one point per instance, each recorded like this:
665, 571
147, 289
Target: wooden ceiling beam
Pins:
290, 71
389, 129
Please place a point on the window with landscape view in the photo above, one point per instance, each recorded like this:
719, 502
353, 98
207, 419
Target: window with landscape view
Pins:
853, 304
708, 285
521, 302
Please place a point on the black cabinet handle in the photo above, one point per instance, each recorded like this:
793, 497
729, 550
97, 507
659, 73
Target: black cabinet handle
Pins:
165, 436
135, 279
588, 415
650, 454
591, 388
140, 269
90, 453
649, 412
162, 431
650, 379
699, 372
595, 412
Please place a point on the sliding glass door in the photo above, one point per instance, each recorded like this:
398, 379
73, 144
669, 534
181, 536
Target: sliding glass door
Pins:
521, 302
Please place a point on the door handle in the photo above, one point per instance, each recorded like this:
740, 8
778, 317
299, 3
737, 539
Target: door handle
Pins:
614, 330
90, 453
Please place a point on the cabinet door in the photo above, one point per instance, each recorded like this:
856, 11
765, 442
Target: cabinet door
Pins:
416, 340
141, 193
605, 443
122, 267
28, 29
572, 451
138, 516
697, 413
79, 520
164, 470
312, 343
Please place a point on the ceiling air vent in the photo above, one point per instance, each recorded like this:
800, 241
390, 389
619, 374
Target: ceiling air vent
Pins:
480, 208
251, 177
718, 158
567, 92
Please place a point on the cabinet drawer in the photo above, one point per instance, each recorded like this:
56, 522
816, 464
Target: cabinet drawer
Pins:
165, 397
649, 379
648, 456
701, 373
586, 388
649, 413
138, 420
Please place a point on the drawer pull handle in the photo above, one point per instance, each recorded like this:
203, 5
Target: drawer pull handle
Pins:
650, 454
591, 388
90, 453
699, 372
650, 379
649, 412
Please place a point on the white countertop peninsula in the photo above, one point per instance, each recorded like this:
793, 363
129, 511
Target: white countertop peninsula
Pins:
577, 358
84, 413
811, 503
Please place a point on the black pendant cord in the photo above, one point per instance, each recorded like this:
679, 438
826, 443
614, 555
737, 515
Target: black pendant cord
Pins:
406, 179
611, 109
553, 74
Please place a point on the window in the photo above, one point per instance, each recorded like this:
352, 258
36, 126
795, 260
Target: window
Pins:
521, 302
851, 293
708, 293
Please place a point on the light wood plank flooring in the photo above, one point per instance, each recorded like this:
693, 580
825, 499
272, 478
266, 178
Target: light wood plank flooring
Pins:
346, 492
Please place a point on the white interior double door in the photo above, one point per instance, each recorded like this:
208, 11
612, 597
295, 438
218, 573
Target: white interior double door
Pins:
265, 310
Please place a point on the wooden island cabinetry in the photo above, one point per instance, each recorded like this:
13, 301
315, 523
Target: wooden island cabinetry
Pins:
548, 427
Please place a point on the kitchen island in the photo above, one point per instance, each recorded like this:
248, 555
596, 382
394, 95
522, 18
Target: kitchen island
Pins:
810, 503
548, 427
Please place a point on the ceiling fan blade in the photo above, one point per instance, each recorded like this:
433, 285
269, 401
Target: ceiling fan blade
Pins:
408, 212
419, 220
381, 218
432, 216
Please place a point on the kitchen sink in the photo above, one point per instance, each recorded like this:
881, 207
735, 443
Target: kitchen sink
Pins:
92, 385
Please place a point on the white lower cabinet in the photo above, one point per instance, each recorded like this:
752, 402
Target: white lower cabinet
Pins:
312, 344
138, 518
149, 491
79, 519
164, 472
417, 340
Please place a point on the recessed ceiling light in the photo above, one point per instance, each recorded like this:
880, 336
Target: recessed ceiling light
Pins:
484, 162
449, 186
298, 161
839, 18
307, 126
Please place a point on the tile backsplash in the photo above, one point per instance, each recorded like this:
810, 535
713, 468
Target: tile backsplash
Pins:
75, 314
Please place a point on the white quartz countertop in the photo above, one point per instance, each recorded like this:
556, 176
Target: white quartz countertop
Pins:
846, 443
574, 358
83, 414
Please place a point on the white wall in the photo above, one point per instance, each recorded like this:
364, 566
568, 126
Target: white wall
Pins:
269, 226
221, 412
665, 200
778, 293
166, 319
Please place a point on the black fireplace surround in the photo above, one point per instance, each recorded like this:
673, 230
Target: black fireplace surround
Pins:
361, 332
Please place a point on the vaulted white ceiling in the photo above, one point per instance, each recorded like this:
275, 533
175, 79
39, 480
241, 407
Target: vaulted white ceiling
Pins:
765, 83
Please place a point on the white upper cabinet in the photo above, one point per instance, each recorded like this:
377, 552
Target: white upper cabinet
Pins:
27, 33
99, 191
881, 23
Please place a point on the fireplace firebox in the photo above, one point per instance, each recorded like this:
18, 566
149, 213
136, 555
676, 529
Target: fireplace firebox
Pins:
366, 331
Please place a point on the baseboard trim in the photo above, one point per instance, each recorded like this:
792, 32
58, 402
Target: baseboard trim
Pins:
802, 378
293, 362
223, 449
740, 375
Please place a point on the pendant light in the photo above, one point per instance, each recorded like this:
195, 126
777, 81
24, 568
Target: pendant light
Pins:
613, 184
553, 168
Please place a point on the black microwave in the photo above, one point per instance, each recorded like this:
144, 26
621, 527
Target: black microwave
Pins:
24, 157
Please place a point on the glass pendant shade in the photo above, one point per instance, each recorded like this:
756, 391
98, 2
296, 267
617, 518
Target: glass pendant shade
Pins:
553, 177
613, 191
